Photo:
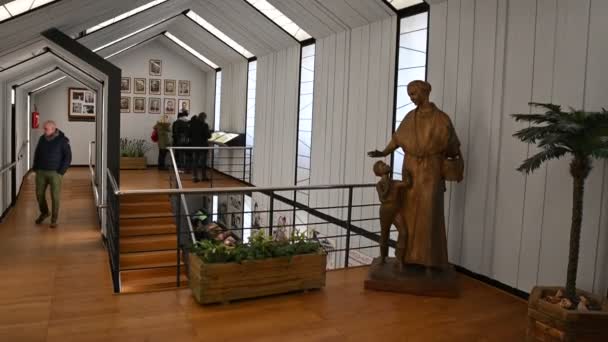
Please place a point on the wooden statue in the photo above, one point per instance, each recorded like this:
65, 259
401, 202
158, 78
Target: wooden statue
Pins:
432, 156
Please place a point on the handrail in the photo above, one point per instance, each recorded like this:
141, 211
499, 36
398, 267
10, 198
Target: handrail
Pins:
182, 197
223, 148
92, 172
19, 158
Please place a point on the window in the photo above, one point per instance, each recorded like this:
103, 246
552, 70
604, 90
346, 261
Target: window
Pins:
219, 34
14, 8
124, 16
191, 50
411, 66
307, 77
280, 19
218, 98
247, 218
251, 87
400, 4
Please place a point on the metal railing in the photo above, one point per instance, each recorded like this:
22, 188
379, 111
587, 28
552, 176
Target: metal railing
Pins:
13, 165
222, 161
98, 202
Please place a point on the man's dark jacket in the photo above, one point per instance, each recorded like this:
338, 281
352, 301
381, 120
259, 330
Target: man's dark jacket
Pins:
199, 132
53, 153
181, 134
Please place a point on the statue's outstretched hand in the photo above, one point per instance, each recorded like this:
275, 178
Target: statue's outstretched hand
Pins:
375, 154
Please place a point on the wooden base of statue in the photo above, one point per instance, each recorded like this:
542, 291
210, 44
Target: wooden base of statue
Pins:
413, 279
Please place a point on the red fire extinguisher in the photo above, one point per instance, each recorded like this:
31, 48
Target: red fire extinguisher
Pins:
35, 118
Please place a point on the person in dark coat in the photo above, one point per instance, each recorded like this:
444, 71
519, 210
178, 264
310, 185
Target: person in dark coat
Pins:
199, 137
52, 159
181, 138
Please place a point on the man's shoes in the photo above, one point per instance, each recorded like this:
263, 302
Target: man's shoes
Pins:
53, 225
41, 218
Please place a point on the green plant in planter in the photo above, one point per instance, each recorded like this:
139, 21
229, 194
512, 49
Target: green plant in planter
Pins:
260, 246
133, 148
579, 134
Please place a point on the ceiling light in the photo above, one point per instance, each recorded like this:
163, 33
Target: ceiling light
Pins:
280, 19
219, 34
124, 16
191, 50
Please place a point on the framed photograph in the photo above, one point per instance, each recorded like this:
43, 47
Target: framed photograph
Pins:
125, 85
183, 105
82, 104
139, 85
139, 105
156, 67
154, 105
125, 104
184, 88
169, 106
169, 87
154, 86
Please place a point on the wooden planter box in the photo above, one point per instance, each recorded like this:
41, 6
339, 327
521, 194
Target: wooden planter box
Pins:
222, 283
133, 163
549, 322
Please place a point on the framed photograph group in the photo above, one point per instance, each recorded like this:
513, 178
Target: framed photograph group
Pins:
82, 104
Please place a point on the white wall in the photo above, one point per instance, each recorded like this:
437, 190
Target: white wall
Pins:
134, 64
352, 114
52, 104
234, 97
487, 60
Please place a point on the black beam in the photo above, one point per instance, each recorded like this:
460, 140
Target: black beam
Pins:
113, 95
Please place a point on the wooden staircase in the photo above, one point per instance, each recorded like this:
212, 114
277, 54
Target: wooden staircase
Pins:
148, 244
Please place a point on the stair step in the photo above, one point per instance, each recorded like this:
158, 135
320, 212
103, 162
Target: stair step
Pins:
156, 259
147, 207
148, 243
142, 221
143, 198
153, 215
155, 279
154, 229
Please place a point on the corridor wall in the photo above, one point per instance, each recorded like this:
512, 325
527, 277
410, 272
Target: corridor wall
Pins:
487, 60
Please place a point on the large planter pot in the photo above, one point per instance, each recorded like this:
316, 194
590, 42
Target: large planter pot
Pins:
222, 283
133, 163
549, 322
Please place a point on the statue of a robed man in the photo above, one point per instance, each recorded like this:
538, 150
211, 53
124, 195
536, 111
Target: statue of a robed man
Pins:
432, 156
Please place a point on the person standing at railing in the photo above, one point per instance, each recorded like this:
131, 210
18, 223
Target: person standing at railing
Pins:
162, 129
181, 138
52, 159
199, 137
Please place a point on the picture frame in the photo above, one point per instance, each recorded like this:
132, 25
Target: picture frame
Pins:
184, 88
154, 104
125, 85
154, 86
139, 86
181, 103
169, 106
169, 87
155, 67
125, 104
82, 104
139, 105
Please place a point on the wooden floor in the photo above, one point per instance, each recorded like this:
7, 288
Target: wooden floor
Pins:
55, 286
154, 179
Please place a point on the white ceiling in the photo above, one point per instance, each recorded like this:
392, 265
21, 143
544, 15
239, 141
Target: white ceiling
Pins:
20, 37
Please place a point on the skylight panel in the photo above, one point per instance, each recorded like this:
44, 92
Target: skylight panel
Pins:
280, 19
17, 7
400, 4
219, 34
48, 84
124, 16
191, 50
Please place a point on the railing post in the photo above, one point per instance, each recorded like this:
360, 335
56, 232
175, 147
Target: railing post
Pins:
179, 233
212, 166
348, 226
271, 214
244, 163
250, 163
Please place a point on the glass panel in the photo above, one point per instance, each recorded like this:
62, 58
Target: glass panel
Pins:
399, 4
251, 88
219, 34
191, 50
218, 97
280, 19
412, 66
305, 118
124, 16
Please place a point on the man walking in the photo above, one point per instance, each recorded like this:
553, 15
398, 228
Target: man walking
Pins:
51, 160
199, 137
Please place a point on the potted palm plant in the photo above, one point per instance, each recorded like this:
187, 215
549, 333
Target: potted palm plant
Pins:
556, 313
133, 153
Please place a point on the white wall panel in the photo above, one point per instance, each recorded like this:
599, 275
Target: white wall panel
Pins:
515, 228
